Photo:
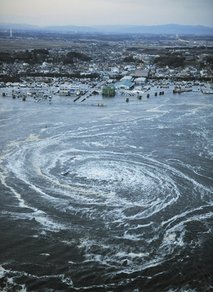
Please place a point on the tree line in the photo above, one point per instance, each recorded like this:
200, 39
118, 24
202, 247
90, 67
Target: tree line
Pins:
38, 56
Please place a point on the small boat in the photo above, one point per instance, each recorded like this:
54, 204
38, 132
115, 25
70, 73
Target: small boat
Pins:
65, 173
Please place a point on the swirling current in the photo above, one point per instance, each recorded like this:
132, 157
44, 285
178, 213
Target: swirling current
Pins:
113, 198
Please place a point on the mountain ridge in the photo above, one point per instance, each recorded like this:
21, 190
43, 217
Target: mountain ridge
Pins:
117, 29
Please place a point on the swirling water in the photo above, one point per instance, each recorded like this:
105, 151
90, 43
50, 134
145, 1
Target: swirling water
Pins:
114, 198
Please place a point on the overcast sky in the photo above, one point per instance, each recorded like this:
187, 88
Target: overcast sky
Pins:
104, 12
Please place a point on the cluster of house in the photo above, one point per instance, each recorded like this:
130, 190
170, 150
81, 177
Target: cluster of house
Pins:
123, 65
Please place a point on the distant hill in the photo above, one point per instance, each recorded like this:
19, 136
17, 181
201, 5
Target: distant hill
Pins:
161, 29
119, 29
6, 26
140, 29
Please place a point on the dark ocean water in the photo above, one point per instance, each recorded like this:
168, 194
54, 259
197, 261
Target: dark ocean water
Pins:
113, 198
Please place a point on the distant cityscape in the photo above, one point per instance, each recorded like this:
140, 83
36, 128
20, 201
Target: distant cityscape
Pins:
79, 63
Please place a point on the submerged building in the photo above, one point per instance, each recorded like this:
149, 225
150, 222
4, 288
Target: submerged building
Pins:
108, 91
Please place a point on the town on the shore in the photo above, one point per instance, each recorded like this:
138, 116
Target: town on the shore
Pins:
84, 67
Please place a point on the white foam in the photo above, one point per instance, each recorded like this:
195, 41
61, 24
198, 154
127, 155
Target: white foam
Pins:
10, 284
45, 254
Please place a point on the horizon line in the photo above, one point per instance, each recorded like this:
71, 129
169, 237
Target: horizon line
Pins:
102, 25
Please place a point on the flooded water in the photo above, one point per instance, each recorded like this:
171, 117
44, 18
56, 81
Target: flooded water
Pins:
113, 198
